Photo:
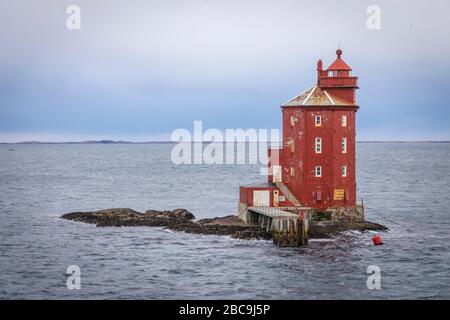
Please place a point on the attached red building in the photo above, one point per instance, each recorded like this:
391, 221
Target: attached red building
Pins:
316, 166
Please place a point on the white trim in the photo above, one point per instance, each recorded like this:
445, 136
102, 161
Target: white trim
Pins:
317, 116
344, 145
344, 171
329, 98
318, 142
277, 173
320, 171
309, 95
298, 95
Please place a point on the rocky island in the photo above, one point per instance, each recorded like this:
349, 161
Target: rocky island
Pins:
184, 221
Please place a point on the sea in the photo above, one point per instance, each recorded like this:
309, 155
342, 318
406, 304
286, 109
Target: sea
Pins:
404, 186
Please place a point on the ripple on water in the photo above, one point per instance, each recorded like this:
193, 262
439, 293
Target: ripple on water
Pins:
39, 183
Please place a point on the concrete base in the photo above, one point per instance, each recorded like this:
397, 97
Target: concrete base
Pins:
242, 212
344, 214
287, 230
293, 231
290, 233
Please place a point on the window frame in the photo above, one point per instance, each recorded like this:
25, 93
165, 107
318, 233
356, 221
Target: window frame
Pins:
319, 169
344, 120
344, 145
320, 120
344, 171
318, 143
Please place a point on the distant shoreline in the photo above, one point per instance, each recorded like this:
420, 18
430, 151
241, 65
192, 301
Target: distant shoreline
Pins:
89, 142
174, 142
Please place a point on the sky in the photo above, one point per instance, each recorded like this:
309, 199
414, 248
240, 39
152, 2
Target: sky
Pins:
137, 70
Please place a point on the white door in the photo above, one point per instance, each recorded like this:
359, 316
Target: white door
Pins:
261, 198
276, 170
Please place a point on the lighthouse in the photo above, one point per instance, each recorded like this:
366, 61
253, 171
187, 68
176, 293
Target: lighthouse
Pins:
313, 173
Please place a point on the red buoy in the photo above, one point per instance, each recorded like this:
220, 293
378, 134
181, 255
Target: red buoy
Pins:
377, 240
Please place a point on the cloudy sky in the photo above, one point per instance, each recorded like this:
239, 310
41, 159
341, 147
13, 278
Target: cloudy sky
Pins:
137, 70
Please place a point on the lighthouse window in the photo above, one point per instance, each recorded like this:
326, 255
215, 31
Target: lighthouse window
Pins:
318, 121
344, 145
333, 73
344, 121
318, 145
318, 171
344, 171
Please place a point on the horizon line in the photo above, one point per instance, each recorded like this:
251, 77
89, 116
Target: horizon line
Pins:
209, 141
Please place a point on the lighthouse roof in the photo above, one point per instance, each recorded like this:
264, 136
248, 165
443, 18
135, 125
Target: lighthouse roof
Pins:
339, 64
316, 96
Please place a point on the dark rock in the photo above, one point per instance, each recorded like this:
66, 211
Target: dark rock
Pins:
120, 217
177, 220
179, 214
181, 220
328, 228
239, 232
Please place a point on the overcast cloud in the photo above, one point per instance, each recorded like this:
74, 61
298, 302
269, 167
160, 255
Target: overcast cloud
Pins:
136, 70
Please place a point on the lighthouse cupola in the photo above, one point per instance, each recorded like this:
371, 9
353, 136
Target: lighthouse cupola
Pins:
337, 79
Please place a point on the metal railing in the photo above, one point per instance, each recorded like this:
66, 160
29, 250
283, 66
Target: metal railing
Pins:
273, 212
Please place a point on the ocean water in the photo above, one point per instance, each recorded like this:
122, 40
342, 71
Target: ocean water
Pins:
405, 186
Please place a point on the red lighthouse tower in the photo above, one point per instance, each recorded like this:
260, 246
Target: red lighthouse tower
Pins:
315, 170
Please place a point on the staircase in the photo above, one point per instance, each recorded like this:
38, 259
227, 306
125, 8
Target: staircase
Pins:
289, 195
